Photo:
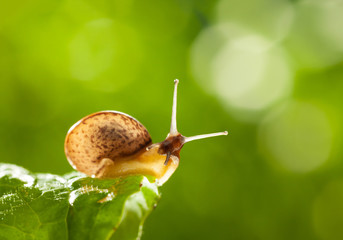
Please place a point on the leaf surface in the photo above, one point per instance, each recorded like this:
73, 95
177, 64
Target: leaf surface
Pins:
73, 206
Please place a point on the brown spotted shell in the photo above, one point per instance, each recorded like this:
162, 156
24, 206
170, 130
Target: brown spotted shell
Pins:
107, 134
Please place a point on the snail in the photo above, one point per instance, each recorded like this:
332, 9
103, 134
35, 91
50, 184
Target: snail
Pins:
111, 144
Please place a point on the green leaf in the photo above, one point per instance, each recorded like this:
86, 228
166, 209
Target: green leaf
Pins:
46, 206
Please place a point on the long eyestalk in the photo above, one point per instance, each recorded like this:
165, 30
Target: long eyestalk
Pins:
188, 139
173, 128
172, 145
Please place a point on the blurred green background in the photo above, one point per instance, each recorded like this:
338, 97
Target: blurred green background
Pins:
268, 71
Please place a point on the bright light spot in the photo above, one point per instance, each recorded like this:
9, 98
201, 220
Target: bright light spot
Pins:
72, 197
298, 136
249, 75
330, 19
152, 186
316, 39
48, 182
109, 197
17, 172
328, 212
86, 190
28, 179
247, 71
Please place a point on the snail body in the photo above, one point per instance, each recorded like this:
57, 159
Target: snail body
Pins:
111, 144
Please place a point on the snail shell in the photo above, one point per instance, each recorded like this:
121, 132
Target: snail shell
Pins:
108, 134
